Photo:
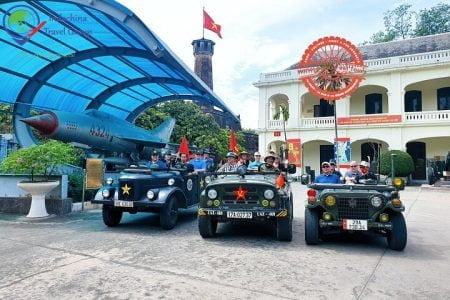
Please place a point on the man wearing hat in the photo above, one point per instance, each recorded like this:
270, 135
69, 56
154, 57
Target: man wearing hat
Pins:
327, 176
198, 162
244, 158
257, 161
269, 166
231, 164
333, 168
364, 166
155, 162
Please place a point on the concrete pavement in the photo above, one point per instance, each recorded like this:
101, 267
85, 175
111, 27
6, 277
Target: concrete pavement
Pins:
78, 257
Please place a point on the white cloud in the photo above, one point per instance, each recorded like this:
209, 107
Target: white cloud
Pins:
259, 36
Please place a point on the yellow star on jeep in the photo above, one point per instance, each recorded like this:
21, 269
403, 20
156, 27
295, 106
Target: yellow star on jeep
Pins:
126, 189
202, 183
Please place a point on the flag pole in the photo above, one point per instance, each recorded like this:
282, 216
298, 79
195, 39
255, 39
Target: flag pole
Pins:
203, 36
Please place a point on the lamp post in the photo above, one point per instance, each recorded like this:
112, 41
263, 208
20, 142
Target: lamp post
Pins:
392, 166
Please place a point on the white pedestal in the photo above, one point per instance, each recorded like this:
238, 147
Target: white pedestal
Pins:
38, 191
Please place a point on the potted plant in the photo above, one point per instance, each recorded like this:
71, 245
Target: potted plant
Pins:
40, 162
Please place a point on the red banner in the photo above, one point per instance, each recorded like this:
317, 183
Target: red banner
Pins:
277, 133
367, 119
295, 151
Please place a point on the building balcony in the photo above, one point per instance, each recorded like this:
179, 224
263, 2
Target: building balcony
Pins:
373, 65
409, 118
427, 117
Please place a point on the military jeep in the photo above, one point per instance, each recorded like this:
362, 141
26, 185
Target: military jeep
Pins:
247, 195
149, 190
340, 208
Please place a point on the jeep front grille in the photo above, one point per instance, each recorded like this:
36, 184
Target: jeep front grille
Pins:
353, 208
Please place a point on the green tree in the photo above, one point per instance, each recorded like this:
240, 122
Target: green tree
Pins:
283, 112
5, 119
433, 21
40, 159
199, 128
403, 163
398, 22
381, 37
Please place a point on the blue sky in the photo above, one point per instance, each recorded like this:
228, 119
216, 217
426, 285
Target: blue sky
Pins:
260, 36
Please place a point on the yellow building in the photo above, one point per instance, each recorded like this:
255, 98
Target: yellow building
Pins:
403, 104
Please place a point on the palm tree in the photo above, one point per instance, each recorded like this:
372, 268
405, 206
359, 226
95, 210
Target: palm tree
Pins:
283, 111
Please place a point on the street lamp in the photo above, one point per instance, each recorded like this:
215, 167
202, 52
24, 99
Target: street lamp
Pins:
392, 166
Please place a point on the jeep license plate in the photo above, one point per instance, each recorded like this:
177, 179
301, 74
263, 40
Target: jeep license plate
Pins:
349, 224
239, 215
121, 203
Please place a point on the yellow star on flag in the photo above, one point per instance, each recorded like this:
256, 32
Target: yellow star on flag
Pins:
126, 189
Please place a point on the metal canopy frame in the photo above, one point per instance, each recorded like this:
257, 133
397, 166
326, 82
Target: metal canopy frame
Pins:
109, 14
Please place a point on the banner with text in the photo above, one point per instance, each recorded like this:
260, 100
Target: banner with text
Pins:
369, 120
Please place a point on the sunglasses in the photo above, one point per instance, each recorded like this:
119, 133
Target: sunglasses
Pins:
325, 166
363, 167
353, 166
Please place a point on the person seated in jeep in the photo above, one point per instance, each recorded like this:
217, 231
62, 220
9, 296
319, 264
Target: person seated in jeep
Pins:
269, 166
364, 167
231, 165
327, 176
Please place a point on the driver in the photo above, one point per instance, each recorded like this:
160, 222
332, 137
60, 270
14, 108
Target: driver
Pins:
231, 164
155, 162
364, 166
269, 166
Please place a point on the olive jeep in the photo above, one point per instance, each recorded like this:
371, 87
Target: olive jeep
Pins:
340, 208
261, 196
149, 190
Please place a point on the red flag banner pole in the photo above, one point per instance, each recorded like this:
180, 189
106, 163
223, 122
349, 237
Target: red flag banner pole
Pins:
209, 24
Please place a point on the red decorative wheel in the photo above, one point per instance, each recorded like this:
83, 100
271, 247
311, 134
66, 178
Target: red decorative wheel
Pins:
332, 68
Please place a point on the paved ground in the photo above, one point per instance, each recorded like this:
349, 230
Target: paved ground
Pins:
77, 257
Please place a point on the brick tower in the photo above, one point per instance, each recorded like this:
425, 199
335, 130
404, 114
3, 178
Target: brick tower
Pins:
203, 52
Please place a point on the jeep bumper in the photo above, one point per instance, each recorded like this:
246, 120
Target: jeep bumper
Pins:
370, 225
228, 215
129, 204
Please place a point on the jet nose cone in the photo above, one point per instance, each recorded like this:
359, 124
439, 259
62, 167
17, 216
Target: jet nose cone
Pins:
45, 123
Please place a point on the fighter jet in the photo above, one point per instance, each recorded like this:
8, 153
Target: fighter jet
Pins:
100, 131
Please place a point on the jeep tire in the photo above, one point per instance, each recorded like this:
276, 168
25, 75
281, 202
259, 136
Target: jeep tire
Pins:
168, 216
284, 228
311, 226
397, 237
111, 217
207, 226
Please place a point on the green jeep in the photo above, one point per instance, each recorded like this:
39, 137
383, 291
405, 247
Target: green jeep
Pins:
262, 196
339, 208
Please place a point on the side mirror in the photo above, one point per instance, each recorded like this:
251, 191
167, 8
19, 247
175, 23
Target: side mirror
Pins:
292, 168
305, 179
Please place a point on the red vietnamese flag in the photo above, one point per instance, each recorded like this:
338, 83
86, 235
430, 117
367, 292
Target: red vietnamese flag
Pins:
233, 142
209, 24
184, 148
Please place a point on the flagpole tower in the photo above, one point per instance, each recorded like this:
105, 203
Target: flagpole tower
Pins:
203, 52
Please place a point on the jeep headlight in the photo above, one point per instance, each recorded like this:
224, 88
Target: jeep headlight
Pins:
376, 201
330, 200
150, 194
109, 181
212, 194
171, 181
269, 194
105, 193
207, 179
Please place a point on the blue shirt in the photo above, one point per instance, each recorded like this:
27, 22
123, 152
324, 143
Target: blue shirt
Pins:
255, 164
159, 163
332, 178
198, 164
